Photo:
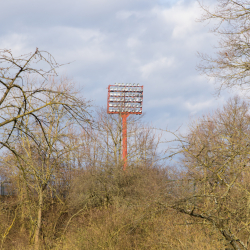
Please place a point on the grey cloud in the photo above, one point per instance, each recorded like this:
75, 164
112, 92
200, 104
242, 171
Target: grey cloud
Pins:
150, 42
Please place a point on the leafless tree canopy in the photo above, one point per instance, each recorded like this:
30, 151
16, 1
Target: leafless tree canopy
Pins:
230, 66
28, 88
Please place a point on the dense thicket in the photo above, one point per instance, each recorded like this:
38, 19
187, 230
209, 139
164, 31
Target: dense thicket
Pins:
89, 202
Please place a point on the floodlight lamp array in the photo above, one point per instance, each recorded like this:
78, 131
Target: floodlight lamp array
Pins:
125, 98
127, 84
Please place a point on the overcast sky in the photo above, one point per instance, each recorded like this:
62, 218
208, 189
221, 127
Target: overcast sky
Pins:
151, 42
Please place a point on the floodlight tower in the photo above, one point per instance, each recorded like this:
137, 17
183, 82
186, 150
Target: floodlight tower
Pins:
125, 99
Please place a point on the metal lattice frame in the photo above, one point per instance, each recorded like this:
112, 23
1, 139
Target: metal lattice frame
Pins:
125, 98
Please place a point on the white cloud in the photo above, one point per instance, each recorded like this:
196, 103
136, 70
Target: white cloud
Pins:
181, 17
16, 42
155, 66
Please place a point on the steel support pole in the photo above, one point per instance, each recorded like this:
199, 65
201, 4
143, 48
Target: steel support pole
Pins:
124, 140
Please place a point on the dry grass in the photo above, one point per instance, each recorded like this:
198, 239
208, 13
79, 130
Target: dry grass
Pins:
138, 228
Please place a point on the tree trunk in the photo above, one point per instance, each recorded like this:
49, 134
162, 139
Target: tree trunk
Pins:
39, 220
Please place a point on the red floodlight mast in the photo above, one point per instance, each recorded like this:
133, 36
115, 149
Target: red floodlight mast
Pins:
125, 99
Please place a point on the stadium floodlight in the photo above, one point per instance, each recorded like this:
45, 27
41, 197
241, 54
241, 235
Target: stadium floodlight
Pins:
127, 99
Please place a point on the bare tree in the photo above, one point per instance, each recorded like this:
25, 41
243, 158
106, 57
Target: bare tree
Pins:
215, 187
41, 157
104, 143
35, 110
27, 87
231, 65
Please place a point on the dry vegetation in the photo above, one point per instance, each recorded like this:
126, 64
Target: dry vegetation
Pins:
82, 199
